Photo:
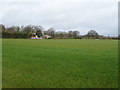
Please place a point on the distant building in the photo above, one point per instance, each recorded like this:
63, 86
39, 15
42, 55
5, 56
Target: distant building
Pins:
34, 36
47, 36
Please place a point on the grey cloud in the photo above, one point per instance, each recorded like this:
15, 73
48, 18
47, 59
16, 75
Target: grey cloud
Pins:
64, 15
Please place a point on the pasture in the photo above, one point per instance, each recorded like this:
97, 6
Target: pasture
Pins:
59, 63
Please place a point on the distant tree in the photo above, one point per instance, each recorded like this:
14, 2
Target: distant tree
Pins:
38, 33
38, 30
16, 33
92, 34
27, 31
70, 34
119, 36
51, 32
10, 29
76, 34
60, 34
2, 29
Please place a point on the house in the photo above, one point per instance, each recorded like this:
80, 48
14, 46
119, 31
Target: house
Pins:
47, 36
34, 36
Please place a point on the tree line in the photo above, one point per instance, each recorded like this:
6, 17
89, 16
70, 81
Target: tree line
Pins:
28, 30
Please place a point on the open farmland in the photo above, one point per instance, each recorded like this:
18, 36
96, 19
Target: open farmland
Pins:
60, 63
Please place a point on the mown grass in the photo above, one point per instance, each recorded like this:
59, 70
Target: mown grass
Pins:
60, 63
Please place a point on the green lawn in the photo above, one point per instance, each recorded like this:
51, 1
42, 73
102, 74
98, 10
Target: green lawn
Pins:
60, 63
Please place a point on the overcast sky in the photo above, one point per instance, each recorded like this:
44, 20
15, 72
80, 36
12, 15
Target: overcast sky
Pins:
63, 15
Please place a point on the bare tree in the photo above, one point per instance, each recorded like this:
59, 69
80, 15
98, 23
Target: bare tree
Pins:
38, 30
92, 34
51, 32
70, 34
76, 34
2, 28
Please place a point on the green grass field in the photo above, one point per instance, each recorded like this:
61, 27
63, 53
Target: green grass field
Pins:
60, 63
